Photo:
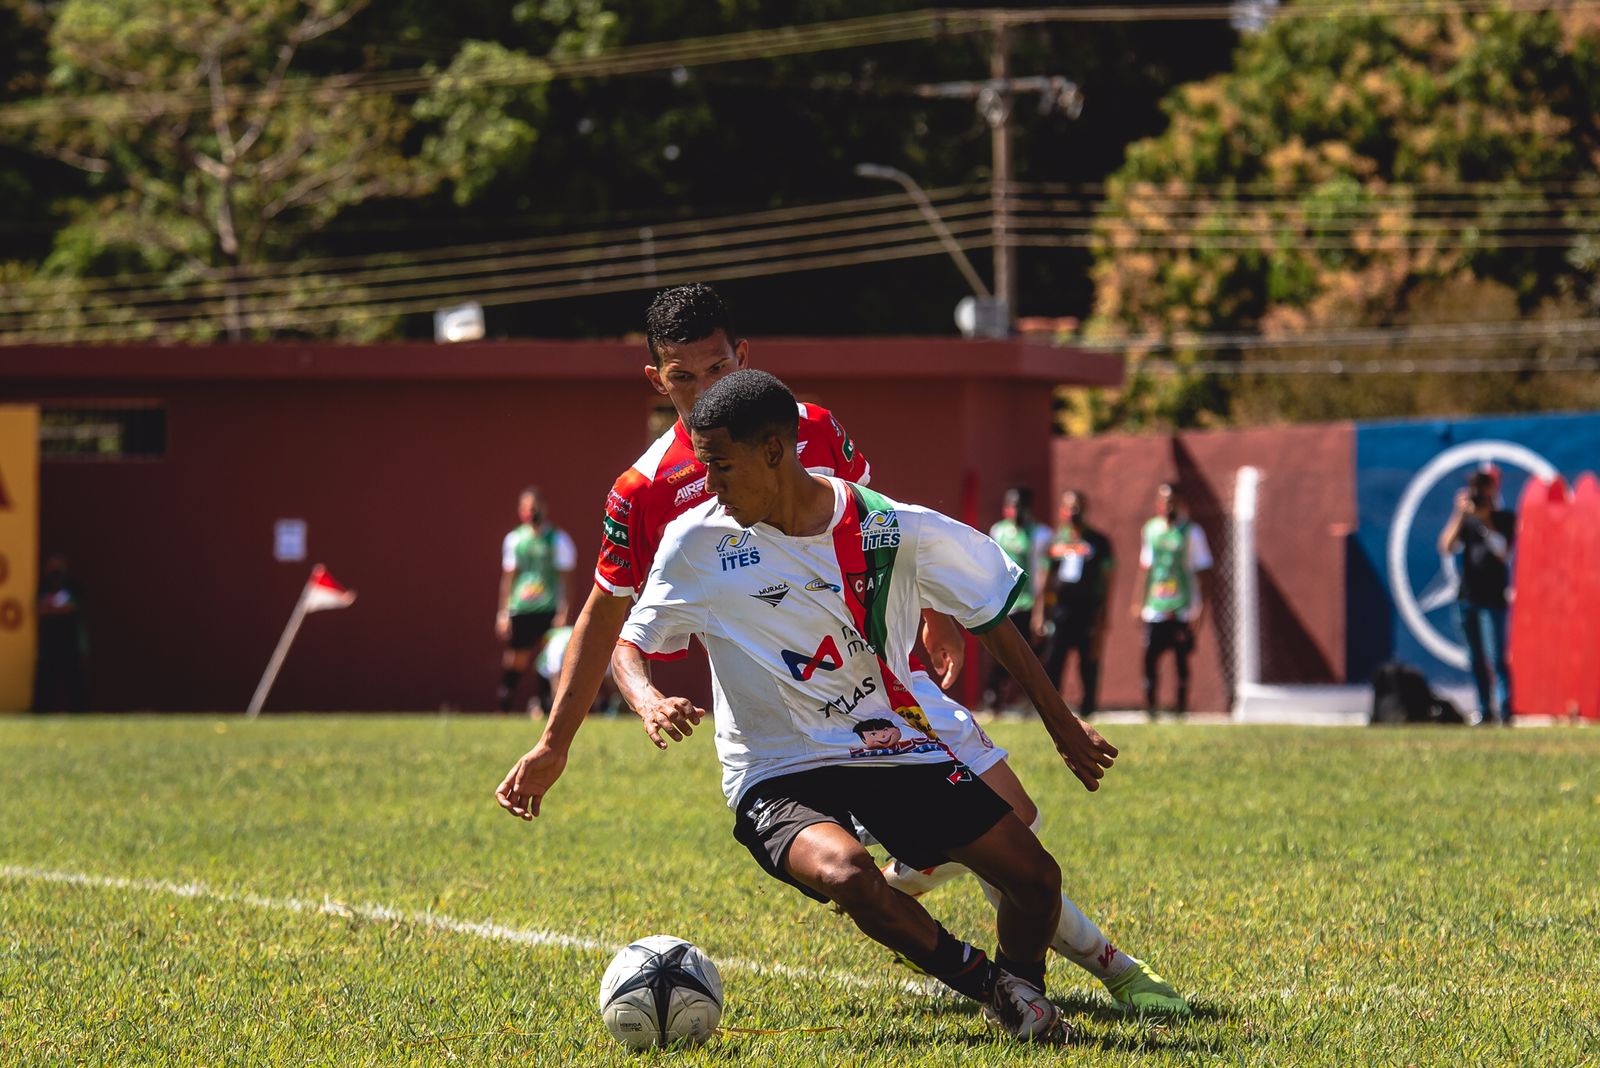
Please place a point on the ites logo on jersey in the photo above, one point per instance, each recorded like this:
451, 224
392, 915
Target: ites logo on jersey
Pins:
802, 666
734, 551
689, 492
880, 530
773, 594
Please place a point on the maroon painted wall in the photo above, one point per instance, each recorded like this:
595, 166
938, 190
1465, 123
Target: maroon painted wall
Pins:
405, 462
1306, 513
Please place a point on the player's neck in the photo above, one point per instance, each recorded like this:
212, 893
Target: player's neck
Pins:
805, 505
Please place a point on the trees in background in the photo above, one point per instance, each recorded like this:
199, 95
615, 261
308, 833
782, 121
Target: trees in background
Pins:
1358, 172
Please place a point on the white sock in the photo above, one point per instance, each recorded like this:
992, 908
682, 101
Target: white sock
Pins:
1077, 938
917, 882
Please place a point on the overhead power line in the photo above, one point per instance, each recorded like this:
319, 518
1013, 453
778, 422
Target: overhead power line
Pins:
142, 105
462, 272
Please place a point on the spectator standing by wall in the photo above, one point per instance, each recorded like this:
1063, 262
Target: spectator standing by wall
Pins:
1173, 555
1484, 534
1027, 542
535, 561
1081, 564
60, 684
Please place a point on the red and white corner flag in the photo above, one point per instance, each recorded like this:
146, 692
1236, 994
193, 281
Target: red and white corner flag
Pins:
322, 592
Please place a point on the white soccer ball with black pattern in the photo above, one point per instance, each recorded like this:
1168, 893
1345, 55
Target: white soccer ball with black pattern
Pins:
661, 990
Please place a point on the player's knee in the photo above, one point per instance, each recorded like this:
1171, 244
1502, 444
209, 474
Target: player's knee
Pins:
852, 881
1038, 879
1026, 810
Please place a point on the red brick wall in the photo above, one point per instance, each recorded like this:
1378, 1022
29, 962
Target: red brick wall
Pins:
1307, 510
405, 462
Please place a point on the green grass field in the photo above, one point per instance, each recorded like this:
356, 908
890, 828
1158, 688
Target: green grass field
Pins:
273, 892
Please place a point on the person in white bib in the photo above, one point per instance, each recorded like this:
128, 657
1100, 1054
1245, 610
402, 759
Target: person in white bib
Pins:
807, 593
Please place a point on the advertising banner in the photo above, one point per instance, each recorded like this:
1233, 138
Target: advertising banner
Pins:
19, 554
1402, 595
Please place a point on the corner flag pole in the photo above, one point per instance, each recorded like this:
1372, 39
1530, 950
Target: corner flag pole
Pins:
276, 663
320, 593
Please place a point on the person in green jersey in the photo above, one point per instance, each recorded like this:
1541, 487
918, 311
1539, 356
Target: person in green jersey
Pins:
535, 560
1173, 554
1027, 542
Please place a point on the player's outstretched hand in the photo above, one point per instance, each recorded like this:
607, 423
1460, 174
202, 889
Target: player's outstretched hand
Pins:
529, 779
675, 717
1086, 753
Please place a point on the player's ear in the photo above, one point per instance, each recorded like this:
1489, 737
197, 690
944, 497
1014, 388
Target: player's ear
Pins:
773, 450
652, 374
741, 354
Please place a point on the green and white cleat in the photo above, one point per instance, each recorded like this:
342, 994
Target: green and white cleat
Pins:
1140, 989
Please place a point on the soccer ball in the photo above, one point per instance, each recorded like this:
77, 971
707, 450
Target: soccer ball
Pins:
661, 990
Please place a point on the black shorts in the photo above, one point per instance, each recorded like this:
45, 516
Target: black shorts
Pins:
529, 628
1166, 634
916, 811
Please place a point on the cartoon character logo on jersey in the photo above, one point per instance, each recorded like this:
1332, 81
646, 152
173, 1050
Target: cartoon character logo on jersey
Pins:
735, 551
877, 733
880, 530
880, 737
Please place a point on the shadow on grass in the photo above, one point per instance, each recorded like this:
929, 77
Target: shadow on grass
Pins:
1134, 1033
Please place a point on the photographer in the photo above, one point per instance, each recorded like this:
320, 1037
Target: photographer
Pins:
1484, 535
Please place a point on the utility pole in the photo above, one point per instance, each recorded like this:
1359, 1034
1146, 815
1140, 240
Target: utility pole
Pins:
994, 99
995, 103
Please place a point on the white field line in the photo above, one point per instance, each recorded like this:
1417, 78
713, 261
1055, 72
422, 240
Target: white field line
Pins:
433, 921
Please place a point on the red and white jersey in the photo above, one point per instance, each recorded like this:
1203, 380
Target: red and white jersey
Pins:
667, 481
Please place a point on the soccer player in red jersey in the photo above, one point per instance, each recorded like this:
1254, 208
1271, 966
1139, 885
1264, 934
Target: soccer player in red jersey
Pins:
693, 345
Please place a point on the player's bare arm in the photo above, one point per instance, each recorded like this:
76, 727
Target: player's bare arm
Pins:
946, 643
502, 616
589, 651
674, 717
563, 602
1080, 745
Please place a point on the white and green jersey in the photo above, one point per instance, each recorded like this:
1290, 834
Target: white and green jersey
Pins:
535, 559
810, 638
1173, 552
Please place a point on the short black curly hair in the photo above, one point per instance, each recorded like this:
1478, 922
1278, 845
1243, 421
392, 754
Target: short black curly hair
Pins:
683, 314
749, 404
874, 724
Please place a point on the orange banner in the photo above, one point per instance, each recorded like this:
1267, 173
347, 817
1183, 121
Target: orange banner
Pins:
19, 554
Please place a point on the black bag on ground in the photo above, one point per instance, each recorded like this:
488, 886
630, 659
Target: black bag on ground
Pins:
1401, 695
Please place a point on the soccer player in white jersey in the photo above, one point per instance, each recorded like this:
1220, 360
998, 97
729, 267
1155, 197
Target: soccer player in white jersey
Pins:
693, 344
807, 593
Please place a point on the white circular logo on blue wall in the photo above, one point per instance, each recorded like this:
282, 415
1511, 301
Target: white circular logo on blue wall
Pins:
1405, 515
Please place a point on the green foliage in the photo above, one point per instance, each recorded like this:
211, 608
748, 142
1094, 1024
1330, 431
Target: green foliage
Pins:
1311, 187
1325, 897
480, 126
